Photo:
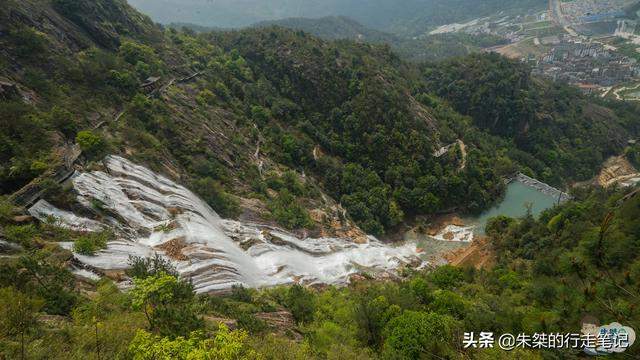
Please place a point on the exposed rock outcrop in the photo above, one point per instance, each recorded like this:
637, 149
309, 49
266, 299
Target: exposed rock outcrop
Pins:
617, 170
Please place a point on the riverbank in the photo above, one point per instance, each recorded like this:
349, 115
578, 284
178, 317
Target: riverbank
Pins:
479, 254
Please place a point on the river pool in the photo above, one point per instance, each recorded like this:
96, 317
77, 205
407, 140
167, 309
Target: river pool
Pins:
514, 205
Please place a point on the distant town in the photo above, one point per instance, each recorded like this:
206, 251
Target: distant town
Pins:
593, 44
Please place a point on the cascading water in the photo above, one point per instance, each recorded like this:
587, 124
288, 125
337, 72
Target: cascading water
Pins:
148, 211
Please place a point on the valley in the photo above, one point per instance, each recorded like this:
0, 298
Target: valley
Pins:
302, 189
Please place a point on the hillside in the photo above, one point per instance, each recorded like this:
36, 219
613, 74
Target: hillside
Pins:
547, 120
244, 125
266, 102
195, 164
333, 28
417, 49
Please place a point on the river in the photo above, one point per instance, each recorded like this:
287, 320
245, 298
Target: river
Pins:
514, 205
148, 211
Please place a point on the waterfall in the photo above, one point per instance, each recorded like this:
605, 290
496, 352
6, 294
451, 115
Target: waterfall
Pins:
148, 211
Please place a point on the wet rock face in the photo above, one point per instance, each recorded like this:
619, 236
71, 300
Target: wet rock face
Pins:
152, 214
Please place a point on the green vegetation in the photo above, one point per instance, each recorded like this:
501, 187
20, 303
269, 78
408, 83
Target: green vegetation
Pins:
90, 243
166, 303
226, 345
562, 134
578, 259
21, 234
288, 212
359, 122
633, 154
287, 120
18, 315
214, 194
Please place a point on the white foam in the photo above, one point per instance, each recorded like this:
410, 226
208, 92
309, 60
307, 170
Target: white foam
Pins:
456, 233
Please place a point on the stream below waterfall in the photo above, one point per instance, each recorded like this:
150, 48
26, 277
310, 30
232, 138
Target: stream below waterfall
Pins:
151, 214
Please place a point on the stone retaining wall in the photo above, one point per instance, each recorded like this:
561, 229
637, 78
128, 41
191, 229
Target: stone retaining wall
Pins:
542, 187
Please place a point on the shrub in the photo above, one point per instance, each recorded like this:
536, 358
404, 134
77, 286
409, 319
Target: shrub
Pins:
633, 154
18, 315
168, 304
300, 302
92, 144
29, 43
447, 276
67, 7
21, 234
213, 194
415, 333
48, 280
226, 345
90, 243
133, 52
123, 81
63, 121
206, 97
260, 115
142, 268
6, 210
222, 91
251, 323
240, 293
286, 210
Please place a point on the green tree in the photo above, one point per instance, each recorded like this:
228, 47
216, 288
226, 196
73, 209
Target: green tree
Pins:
91, 143
48, 279
18, 315
133, 53
225, 345
288, 212
63, 120
167, 303
213, 193
300, 301
29, 42
414, 334
372, 316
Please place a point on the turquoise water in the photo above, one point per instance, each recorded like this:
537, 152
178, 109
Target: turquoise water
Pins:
518, 195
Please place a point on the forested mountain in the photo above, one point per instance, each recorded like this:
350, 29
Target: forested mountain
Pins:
273, 125
409, 17
333, 28
547, 120
418, 49
375, 118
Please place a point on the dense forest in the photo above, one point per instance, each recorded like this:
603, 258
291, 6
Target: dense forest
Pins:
548, 120
356, 117
291, 123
